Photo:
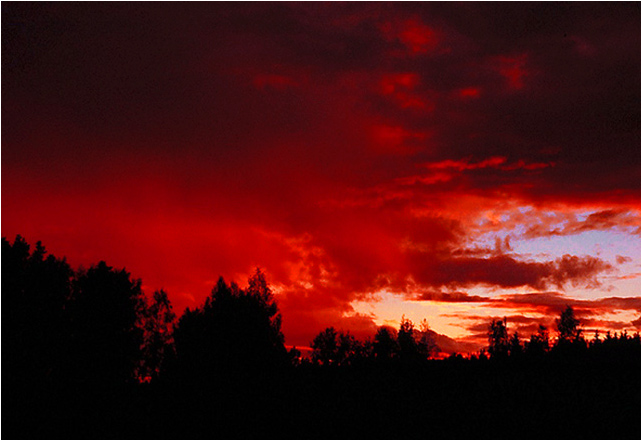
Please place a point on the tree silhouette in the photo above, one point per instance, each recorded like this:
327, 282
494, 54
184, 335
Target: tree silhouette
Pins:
385, 346
325, 347
411, 346
427, 340
106, 315
498, 343
158, 326
596, 339
515, 347
348, 348
75, 345
35, 290
406, 338
568, 327
235, 332
259, 291
539, 343
90, 326
294, 356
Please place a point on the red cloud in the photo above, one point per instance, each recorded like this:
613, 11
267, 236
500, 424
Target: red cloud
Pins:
391, 83
395, 139
513, 68
417, 37
188, 166
497, 162
463, 164
470, 92
399, 88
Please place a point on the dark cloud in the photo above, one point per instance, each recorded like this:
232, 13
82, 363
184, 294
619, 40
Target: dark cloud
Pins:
591, 325
621, 220
523, 325
508, 272
553, 303
451, 297
548, 303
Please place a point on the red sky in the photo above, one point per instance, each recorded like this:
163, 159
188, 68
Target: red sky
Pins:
453, 162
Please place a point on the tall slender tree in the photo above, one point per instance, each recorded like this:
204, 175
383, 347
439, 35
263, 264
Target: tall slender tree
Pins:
568, 327
498, 343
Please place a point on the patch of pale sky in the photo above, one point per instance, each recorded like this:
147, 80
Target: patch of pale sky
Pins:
623, 281
450, 318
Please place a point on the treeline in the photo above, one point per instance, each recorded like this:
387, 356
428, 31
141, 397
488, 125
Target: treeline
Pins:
96, 326
88, 326
408, 344
86, 354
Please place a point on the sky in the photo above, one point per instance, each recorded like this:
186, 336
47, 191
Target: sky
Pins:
454, 162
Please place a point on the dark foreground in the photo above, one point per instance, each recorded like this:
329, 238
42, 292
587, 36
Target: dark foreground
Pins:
75, 341
555, 398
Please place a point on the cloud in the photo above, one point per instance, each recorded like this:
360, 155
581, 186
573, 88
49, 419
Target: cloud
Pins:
553, 303
395, 139
344, 148
566, 225
513, 69
394, 82
399, 87
450, 297
591, 325
622, 259
477, 326
525, 326
506, 271
549, 303
462, 165
469, 92
416, 36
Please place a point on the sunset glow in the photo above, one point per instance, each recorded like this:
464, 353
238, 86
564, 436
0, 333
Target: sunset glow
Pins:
453, 162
